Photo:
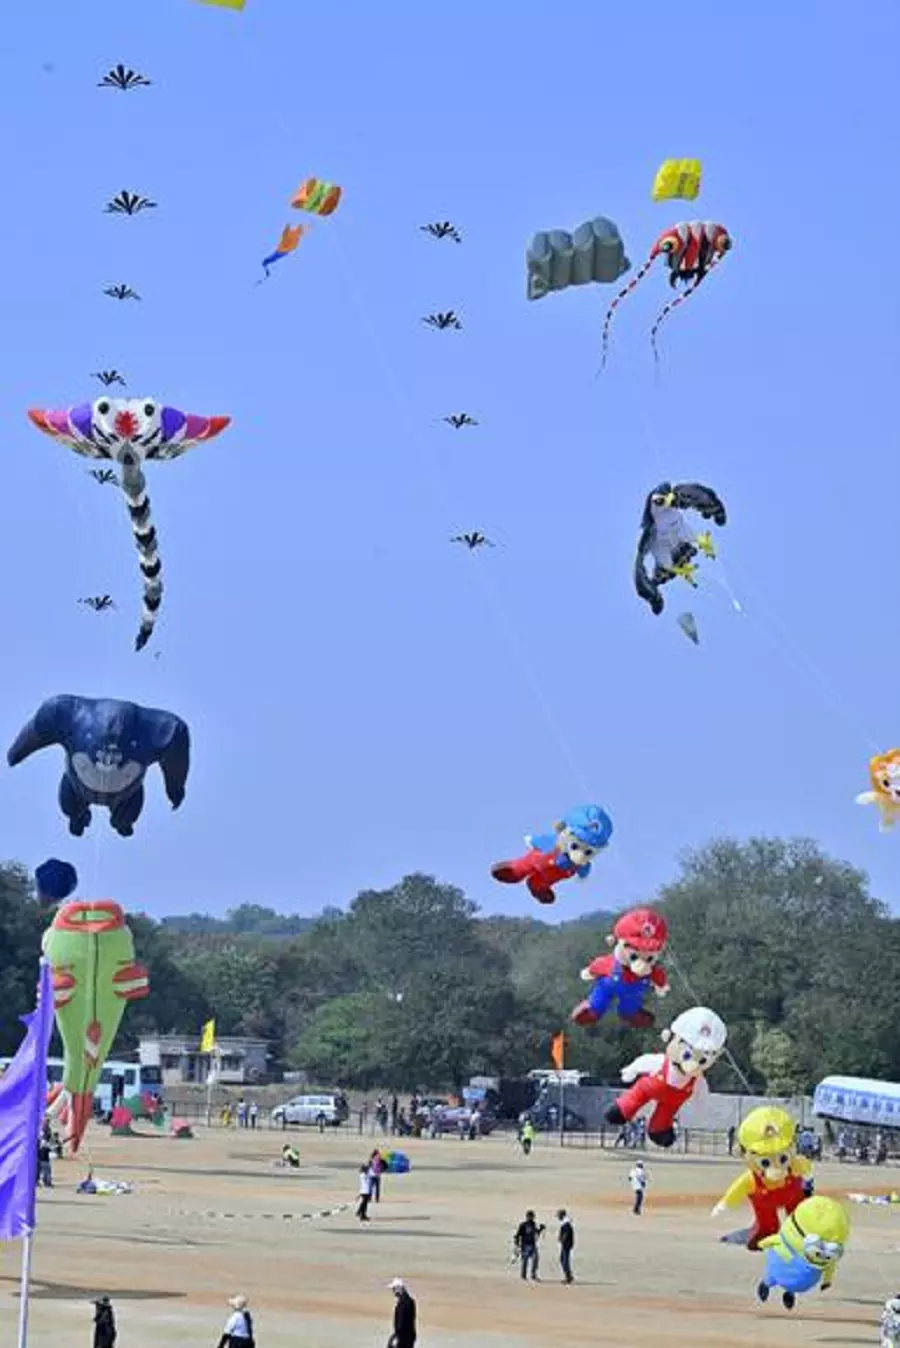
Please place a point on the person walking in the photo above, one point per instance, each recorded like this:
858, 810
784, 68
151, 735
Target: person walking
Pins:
404, 1335
376, 1170
637, 1178
365, 1192
566, 1244
526, 1137
105, 1332
238, 1331
45, 1163
525, 1241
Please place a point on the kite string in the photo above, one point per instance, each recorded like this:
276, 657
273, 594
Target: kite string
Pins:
512, 641
793, 654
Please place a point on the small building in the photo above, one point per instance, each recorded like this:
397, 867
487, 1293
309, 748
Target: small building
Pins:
236, 1061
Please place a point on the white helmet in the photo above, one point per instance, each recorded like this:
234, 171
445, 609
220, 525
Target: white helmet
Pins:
701, 1029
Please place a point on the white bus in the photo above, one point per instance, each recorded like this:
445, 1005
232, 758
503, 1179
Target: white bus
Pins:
136, 1079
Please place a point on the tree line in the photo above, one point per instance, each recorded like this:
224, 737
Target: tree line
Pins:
410, 987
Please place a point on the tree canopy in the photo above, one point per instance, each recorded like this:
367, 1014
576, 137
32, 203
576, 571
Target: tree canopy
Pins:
410, 987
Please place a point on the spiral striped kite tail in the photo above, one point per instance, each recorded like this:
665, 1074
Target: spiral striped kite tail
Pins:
626, 290
673, 304
134, 485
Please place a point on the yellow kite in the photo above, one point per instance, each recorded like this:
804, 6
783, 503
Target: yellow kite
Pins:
678, 178
225, 4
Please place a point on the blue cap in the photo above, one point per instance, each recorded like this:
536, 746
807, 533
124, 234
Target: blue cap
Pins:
591, 825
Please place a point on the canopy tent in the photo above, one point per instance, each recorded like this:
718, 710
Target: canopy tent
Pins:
858, 1100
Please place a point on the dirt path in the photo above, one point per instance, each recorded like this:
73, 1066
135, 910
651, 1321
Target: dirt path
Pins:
446, 1227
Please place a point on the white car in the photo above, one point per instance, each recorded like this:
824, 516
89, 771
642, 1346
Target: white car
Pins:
320, 1110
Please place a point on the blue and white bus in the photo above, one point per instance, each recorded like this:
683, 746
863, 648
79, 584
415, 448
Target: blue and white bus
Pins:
136, 1079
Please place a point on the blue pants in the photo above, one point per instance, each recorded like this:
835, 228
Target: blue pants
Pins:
604, 993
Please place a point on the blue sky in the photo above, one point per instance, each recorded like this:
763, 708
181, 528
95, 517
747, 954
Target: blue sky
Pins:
364, 698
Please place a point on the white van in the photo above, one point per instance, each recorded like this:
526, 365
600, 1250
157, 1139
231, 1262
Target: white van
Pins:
321, 1110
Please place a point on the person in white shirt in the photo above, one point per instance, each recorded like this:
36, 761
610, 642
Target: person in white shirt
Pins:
365, 1192
637, 1178
238, 1331
890, 1323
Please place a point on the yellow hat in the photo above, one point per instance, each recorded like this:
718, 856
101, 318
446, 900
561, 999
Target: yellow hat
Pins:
766, 1131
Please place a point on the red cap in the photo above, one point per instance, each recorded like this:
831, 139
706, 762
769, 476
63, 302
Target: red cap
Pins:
642, 929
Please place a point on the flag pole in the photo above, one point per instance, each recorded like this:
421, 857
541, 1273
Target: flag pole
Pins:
562, 1107
25, 1289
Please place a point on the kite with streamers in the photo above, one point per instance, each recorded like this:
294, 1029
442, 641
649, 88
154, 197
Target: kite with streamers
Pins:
290, 238
691, 250
130, 432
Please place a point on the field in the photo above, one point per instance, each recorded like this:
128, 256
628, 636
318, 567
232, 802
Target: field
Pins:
663, 1278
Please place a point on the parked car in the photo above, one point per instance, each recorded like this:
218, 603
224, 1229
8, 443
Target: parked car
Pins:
545, 1118
457, 1118
319, 1110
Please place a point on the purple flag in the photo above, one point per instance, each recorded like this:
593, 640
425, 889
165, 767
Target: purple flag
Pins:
23, 1103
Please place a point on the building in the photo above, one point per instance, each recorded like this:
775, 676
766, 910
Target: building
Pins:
236, 1062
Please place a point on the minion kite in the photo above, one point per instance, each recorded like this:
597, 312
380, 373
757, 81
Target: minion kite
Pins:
777, 1179
806, 1250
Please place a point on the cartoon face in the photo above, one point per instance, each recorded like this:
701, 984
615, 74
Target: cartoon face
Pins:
691, 1062
578, 852
819, 1252
116, 422
773, 1168
638, 962
885, 774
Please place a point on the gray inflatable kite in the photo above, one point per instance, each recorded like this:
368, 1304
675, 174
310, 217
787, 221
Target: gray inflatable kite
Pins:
557, 260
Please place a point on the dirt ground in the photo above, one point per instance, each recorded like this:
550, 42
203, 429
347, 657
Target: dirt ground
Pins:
169, 1259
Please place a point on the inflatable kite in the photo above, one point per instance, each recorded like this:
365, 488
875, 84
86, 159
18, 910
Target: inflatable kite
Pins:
290, 238
395, 1162
130, 431
694, 1041
225, 4
91, 953
667, 538
556, 260
777, 1180
109, 746
624, 978
678, 178
553, 857
691, 250
55, 880
317, 197
806, 1250
884, 775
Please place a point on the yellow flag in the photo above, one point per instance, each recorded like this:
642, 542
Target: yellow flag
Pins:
558, 1050
208, 1038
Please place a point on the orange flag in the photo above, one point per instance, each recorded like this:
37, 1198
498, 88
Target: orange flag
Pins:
558, 1051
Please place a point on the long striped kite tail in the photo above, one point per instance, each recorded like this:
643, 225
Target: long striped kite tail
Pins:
626, 290
134, 485
673, 304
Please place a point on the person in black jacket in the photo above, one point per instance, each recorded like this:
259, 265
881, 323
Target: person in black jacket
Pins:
104, 1323
404, 1335
566, 1245
528, 1233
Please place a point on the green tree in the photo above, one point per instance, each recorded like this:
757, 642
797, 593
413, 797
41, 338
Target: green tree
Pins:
22, 922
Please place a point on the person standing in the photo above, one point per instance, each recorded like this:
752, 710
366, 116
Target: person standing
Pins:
404, 1335
376, 1169
45, 1164
238, 1331
395, 1109
637, 1178
104, 1323
242, 1112
525, 1242
254, 1114
732, 1133
526, 1136
566, 1245
365, 1192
